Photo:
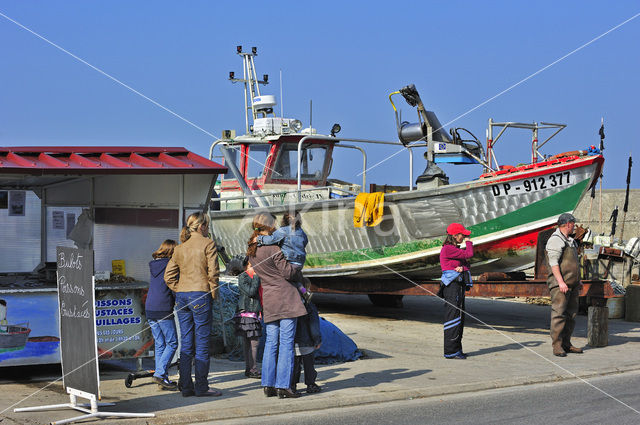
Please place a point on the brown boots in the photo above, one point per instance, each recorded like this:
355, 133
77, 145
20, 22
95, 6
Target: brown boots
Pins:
571, 349
561, 350
558, 350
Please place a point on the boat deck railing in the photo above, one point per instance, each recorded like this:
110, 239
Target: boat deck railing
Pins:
363, 174
364, 168
243, 197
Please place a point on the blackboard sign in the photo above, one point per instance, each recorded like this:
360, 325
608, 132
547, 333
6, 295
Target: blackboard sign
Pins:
76, 302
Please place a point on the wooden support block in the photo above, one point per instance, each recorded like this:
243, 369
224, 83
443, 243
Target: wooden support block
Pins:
598, 326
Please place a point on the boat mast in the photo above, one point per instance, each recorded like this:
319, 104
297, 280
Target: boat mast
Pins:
251, 83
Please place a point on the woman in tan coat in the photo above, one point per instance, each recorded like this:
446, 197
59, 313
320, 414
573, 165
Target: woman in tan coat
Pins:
281, 306
192, 273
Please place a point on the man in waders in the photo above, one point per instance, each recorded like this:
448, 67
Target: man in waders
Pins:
564, 284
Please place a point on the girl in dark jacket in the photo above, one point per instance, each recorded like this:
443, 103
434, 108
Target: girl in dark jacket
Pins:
247, 318
159, 311
307, 340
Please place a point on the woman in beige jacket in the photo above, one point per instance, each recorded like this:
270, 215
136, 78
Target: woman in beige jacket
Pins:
192, 273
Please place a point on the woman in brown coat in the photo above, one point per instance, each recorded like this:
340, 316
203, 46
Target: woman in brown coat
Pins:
281, 306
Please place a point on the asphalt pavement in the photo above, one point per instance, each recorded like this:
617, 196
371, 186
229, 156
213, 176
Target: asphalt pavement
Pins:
615, 401
507, 341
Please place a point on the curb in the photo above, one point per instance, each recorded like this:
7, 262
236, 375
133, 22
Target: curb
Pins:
379, 397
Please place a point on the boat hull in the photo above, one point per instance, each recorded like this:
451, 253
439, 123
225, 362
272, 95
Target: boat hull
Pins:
504, 213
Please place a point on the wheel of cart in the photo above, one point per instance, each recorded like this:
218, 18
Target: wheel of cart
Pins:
128, 381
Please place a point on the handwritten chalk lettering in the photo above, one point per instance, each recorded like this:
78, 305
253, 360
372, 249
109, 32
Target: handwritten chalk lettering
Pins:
74, 262
69, 288
74, 312
531, 185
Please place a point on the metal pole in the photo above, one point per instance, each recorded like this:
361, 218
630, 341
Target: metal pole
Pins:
489, 142
255, 76
246, 108
534, 146
310, 116
43, 227
410, 169
92, 205
281, 99
253, 202
252, 93
180, 202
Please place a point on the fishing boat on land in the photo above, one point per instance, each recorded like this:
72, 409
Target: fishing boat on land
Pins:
278, 166
14, 337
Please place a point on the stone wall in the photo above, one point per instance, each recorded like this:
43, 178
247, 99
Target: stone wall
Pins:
610, 198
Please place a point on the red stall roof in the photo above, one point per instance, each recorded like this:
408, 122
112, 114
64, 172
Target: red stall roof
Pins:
40, 160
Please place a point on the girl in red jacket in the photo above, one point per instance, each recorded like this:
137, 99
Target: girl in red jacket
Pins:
456, 279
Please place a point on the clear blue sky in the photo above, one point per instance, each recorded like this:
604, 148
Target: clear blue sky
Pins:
346, 56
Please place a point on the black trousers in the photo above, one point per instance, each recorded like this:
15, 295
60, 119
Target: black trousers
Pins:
310, 373
453, 294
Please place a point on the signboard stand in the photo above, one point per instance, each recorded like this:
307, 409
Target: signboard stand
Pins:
78, 343
90, 409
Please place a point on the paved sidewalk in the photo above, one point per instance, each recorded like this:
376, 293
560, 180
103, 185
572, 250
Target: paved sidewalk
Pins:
403, 360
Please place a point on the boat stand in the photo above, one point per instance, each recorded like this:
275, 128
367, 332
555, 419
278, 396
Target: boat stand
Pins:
91, 410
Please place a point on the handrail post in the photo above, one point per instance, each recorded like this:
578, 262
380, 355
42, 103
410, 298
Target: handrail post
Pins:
213, 146
410, 168
300, 142
364, 162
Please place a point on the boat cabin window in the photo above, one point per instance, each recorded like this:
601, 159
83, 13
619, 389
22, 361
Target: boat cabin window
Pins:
257, 158
312, 162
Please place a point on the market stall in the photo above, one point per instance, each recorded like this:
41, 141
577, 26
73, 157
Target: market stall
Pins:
122, 202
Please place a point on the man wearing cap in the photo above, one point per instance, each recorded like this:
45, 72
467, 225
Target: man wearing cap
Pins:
456, 279
564, 285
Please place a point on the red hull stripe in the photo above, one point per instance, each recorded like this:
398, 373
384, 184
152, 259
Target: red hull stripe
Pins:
548, 169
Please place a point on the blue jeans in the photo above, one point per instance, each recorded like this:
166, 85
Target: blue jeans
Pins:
277, 360
166, 340
194, 316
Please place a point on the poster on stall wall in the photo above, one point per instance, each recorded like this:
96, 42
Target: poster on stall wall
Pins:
118, 267
122, 328
4, 199
58, 219
71, 223
17, 201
